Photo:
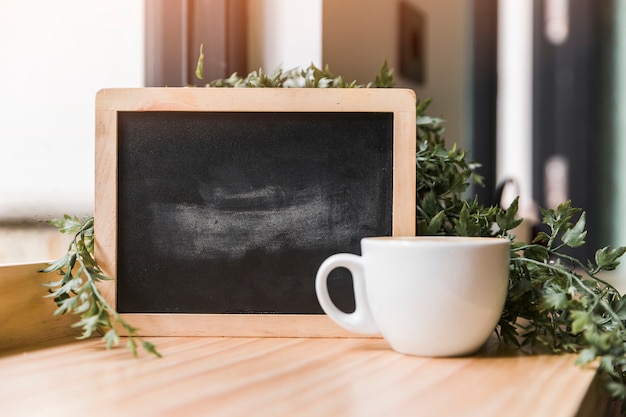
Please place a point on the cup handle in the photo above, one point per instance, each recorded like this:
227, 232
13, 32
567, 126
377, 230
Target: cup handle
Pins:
359, 321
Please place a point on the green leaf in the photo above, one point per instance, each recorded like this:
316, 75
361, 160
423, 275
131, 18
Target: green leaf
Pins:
586, 356
65, 304
82, 307
520, 289
384, 79
619, 306
57, 265
132, 346
581, 320
200, 65
617, 390
538, 253
150, 348
557, 301
607, 258
541, 237
507, 219
575, 236
111, 338
53, 284
89, 325
434, 226
68, 224
601, 341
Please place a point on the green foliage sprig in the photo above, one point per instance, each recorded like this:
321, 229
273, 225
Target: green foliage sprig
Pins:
558, 301
442, 177
77, 291
309, 77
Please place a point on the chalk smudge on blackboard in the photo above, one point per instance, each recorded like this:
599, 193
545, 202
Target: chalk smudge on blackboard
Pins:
231, 224
254, 198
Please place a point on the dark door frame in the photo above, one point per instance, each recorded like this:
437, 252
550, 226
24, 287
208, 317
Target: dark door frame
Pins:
484, 85
567, 88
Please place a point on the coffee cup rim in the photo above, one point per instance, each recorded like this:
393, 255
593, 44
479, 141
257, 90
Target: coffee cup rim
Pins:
436, 240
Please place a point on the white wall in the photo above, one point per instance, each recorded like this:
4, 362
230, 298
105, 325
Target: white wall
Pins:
55, 56
284, 34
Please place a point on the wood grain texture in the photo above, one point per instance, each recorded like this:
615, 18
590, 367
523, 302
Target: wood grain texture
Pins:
255, 99
404, 179
292, 377
233, 325
26, 317
105, 205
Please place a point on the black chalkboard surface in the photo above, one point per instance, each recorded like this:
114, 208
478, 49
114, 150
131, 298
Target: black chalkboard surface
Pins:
229, 209
261, 199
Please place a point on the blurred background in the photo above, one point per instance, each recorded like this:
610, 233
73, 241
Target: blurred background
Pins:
535, 90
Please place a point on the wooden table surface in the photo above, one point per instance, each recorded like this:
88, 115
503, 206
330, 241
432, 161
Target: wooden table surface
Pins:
203, 376
44, 371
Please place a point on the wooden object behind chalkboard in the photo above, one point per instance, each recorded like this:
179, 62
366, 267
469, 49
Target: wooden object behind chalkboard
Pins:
214, 207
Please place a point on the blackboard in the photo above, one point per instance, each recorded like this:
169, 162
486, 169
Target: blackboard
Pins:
226, 201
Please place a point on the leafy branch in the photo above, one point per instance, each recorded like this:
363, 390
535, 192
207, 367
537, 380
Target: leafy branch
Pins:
562, 301
77, 291
442, 176
554, 299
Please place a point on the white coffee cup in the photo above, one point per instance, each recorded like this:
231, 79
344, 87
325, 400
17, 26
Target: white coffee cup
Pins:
427, 296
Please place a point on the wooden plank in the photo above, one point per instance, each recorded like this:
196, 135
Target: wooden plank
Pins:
233, 325
292, 376
26, 317
256, 99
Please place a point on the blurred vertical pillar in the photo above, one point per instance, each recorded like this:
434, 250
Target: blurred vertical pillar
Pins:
481, 132
612, 163
175, 29
514, 105
165, 43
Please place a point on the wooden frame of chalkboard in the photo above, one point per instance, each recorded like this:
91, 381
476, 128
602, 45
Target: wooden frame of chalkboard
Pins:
202, 195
